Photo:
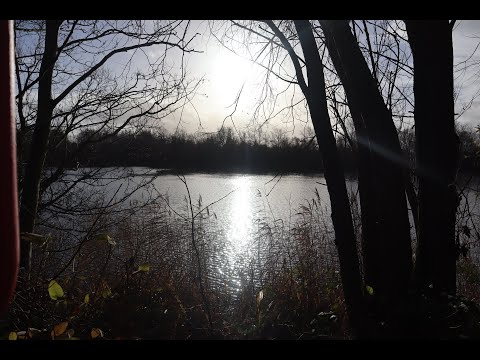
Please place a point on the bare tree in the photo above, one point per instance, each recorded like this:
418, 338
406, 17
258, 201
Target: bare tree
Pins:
385, 225
371, 85
437, 147
102, 75
334, 174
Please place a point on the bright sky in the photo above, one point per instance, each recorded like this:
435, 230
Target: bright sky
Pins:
466, 39
226, 72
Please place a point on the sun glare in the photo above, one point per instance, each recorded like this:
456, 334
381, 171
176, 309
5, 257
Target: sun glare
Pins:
228, 73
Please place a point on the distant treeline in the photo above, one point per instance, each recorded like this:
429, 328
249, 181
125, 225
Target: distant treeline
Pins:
223, 150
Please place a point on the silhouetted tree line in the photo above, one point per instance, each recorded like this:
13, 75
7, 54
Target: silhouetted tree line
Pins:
469, 155
224, 150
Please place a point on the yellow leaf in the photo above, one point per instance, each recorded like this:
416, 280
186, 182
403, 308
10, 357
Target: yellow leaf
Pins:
144, 267
86, 300
369, 290
96, 332
59, 329
55, 290
12, 336
259, 297
102, 237
106, 237
106, 292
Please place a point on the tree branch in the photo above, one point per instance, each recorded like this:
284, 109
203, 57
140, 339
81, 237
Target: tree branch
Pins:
291, 52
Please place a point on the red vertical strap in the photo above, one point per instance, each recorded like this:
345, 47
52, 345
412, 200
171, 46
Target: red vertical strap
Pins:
9, 230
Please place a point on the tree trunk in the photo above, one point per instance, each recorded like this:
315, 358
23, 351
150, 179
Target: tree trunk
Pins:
9, 234
38, 147
385, 224
334, 176
436, 153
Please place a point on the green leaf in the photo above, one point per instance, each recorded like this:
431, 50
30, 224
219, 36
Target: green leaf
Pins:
144, 267
369, 290
86, 300
12, 336
107, 238
55, 290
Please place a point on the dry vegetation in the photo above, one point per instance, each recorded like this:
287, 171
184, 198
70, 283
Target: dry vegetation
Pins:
137, 277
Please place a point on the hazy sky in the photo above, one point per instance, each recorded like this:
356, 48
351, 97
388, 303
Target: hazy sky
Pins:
225, 73
466, 39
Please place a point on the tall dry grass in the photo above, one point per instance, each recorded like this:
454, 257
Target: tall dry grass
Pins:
134, 273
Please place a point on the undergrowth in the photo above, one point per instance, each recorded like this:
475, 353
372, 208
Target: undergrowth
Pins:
137, 277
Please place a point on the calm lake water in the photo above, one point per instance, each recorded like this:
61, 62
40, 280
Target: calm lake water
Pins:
236, 202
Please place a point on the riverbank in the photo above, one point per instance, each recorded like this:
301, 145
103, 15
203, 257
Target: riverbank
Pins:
148, 277
151, 273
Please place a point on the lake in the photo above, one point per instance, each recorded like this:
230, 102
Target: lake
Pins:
243, 209
237, 206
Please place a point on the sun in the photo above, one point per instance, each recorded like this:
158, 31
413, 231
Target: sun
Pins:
228, 73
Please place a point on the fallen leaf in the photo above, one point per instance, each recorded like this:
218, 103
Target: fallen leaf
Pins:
59, 329
96, 332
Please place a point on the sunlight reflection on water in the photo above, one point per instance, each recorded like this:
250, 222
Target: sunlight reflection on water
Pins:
239, 232
244, 213
239, 225
244, 207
